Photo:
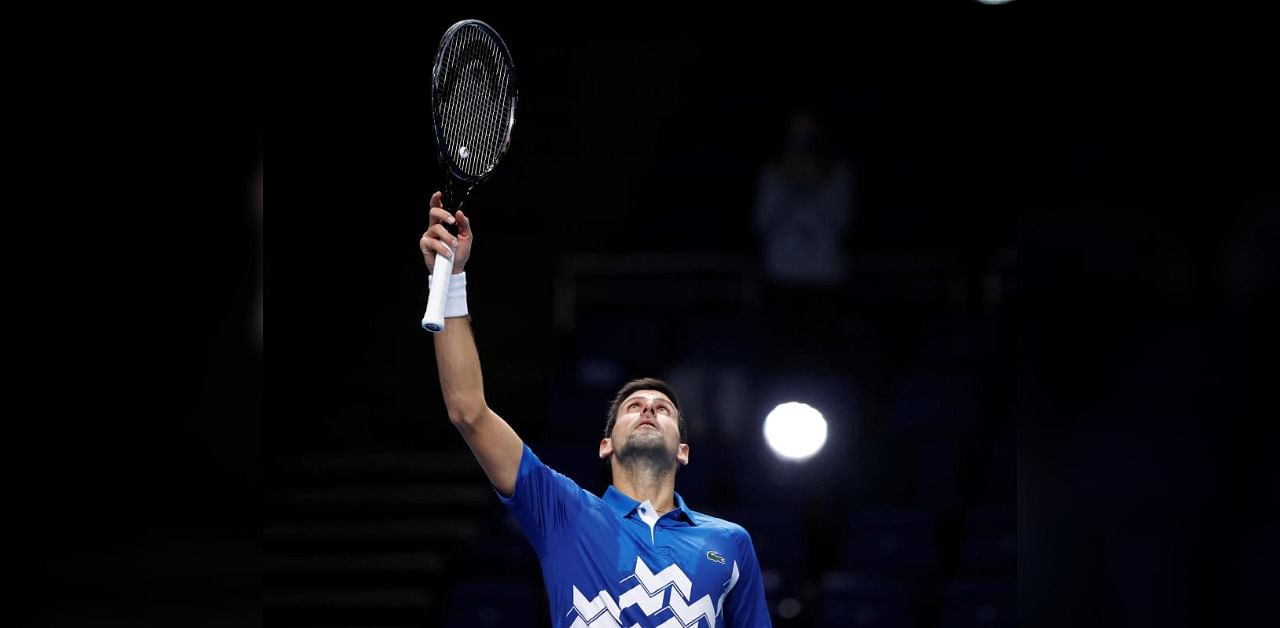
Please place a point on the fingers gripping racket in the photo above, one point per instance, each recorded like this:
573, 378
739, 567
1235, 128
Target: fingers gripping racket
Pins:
473, 109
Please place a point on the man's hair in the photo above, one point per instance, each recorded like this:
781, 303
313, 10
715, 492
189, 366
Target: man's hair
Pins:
645, 383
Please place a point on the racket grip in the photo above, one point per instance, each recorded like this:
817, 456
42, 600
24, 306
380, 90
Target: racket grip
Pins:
433, 320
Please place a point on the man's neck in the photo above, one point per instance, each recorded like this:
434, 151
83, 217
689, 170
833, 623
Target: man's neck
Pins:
644, 484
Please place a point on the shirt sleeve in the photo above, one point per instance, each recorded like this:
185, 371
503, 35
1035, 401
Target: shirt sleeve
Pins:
543, 500
746, 606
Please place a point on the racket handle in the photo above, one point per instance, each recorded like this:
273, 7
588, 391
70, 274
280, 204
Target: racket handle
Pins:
433, 320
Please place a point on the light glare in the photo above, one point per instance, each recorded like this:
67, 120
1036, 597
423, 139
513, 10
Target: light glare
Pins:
795, 431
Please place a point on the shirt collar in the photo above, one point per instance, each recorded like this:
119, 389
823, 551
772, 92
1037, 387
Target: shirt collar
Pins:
621, 505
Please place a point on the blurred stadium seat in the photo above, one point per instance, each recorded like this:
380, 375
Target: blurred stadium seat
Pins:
477, 603
978, 605
938, 469
936, 401
720, 339
613, 349
990, 543
890, 541
851, 601
1000, 485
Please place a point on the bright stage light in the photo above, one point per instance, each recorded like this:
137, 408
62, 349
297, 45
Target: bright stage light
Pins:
795, 431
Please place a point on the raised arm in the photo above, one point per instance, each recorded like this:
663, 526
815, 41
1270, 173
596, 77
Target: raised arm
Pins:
495, 444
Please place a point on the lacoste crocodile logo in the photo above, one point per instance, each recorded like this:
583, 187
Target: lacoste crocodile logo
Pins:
715, 557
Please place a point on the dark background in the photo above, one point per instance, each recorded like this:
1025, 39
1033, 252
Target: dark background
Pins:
1062, 240
1120, 166
616, 240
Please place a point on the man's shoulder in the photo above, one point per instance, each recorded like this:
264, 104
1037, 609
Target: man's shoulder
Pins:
714, 522
567, 484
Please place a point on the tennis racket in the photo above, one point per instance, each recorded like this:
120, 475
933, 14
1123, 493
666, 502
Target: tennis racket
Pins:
473, 109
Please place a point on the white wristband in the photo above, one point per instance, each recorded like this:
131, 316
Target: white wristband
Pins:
455, 303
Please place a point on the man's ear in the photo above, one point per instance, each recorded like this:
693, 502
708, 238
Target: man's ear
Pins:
682, 454
606, 448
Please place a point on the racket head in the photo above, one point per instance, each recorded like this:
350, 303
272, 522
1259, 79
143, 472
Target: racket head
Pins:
473, 100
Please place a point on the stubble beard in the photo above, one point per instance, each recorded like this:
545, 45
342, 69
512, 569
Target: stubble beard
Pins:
647, 454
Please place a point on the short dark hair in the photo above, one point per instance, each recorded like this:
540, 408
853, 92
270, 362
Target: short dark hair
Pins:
644, 383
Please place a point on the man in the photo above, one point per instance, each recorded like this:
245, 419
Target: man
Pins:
638, 556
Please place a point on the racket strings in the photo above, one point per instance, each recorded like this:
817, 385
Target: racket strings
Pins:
475, 106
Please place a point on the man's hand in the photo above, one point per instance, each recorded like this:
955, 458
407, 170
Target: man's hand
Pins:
436, 239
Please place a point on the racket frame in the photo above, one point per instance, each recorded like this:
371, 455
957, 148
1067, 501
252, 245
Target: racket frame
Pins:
433, 319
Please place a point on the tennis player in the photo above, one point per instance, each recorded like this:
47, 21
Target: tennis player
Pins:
635, 556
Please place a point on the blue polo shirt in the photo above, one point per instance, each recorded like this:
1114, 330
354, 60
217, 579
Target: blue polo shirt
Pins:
612, 561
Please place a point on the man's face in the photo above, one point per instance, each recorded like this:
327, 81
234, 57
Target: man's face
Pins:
647, 426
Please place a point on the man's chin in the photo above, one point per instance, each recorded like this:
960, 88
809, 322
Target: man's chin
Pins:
646, 448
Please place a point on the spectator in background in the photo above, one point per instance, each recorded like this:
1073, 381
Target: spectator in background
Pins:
803, 208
